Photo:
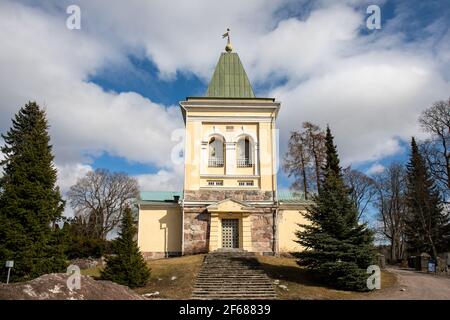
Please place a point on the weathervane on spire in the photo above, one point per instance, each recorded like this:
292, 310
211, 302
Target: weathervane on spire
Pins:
228, 47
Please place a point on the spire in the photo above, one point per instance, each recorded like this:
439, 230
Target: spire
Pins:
229, 79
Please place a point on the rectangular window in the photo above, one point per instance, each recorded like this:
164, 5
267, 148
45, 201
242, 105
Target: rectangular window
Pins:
215, 182
230, 128
245, 183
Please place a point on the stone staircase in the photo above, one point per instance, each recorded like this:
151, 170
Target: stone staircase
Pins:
232, 274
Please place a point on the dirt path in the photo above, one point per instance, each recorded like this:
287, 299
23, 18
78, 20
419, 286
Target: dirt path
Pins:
417, 286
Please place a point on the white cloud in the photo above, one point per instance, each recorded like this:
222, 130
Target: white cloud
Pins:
297, 48
375, 168
68, 174
161, 181
370, 89
184, 37
42, 60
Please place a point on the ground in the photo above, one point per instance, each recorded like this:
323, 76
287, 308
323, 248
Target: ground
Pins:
171, 278
416, 285
174, 278
293, 282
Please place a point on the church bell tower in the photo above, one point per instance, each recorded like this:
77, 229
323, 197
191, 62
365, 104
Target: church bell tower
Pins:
230, 163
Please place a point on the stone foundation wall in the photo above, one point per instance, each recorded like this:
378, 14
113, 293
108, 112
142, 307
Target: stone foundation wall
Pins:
218, 195
160, 255
196, 227
262, 231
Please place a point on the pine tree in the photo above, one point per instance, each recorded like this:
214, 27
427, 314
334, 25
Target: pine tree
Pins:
126, 266
427, 227
30, 201
338, 248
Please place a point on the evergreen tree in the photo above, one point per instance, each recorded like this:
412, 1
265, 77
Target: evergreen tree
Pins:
30, 201
81, 243
126, 266
338, 248
427, 226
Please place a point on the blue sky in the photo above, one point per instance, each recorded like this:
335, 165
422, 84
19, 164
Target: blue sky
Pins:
111, 89
142, 77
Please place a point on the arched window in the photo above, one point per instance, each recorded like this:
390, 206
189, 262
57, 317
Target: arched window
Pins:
244, 153
215, 148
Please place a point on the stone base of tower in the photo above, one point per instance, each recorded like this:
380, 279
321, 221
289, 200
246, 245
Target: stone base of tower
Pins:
205, 231
219, 195
196, 230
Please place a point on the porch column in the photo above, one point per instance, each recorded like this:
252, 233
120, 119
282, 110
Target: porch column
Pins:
246, 233
214, 232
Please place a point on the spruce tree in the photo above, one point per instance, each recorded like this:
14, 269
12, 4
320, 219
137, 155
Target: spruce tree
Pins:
126, 266
427, 226
30, 201
337, 248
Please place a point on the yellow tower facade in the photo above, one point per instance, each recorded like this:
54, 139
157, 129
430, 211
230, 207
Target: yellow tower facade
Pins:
230, 163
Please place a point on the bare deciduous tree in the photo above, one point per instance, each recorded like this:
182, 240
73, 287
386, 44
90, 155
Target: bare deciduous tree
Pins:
296, 162
315, 141
305, 157
391, 204
100, 198
436, 150
363, 189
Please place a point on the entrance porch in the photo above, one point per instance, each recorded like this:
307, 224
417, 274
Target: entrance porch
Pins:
230, 225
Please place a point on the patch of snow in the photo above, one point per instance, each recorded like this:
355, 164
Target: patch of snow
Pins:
151, 294
29, 291
56, 289
173, 278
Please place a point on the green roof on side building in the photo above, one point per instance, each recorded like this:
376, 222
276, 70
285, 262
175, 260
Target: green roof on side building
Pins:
159, 196
229, 79
287, 196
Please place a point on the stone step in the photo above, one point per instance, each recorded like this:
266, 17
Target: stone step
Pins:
234, 297
240, 290
231, 293
236, 286
243, 276
220, 282
232, 275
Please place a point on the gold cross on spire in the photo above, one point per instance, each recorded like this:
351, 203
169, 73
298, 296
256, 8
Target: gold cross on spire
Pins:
228, 47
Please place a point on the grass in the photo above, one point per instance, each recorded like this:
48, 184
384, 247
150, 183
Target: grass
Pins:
302, 285
93, 272
184, 269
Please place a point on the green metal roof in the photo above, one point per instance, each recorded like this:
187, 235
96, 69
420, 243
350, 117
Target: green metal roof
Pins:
285, 196
229, 79
159, 196
289, 196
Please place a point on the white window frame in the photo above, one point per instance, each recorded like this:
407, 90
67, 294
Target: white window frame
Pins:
214, 183
246, 183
